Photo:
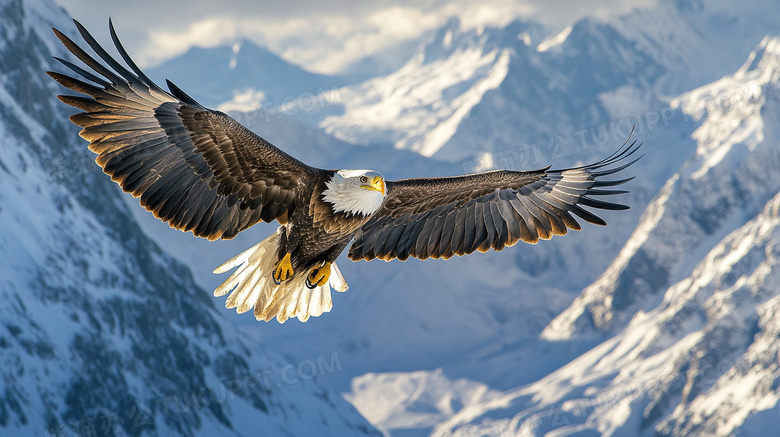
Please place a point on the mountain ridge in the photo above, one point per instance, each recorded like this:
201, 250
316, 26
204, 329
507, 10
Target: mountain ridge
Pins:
698, 356
103, 332
726, 195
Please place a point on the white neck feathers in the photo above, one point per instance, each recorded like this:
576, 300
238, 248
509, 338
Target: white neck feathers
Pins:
345, 195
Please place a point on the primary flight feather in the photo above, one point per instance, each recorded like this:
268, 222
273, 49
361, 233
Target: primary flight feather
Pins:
201, 171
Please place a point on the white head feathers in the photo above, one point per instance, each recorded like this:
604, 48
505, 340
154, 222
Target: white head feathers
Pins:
355, 192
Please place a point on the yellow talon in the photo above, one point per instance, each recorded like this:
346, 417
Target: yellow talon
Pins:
283, 269
320, 275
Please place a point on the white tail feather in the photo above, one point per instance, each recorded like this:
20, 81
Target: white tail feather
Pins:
252, 286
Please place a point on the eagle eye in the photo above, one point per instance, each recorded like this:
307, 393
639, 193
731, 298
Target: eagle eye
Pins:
363, 179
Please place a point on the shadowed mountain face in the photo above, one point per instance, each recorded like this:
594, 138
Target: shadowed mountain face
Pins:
101, 332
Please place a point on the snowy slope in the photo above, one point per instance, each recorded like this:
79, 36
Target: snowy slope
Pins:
736, 168
101, 332
244, 77
416, 400
221, 73
703, 362
599, 78
503, 89
420, 106
696, 41
699, 355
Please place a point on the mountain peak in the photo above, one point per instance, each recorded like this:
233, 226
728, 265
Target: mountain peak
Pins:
765, 58
216, 74
710, 196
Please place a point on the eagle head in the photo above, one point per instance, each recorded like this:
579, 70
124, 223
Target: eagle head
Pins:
355, 192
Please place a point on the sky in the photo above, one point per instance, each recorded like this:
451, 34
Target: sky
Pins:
324, 37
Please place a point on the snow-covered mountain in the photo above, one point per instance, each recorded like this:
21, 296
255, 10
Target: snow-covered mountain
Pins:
733, 173
496, 343
692, 299
703, 362
502, 90
101, 331
420, 106
242, 69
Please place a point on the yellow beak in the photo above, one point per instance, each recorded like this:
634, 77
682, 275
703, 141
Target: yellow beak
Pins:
376, 184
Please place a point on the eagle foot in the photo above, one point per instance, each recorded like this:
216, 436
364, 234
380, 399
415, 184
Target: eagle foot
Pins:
318, 276
283, 270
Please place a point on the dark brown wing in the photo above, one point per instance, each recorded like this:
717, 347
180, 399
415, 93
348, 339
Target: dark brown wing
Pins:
197, 169
442, 217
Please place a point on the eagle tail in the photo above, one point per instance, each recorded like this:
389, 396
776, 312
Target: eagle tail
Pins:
251, 286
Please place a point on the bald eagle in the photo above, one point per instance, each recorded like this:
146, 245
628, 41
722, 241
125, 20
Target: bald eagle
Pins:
200, 171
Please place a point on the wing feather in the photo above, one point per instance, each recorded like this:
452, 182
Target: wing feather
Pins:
499, 226
481, 240
435, 237
442, 217
447, 233
488, 226
469, 229
529, 220
538, 221
383, 236
197, 169
414, 237
525, 232
560, 219
393, 239
510, 217
458, 231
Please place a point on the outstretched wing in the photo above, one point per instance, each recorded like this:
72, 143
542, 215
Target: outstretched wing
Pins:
442, 217
197, 169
